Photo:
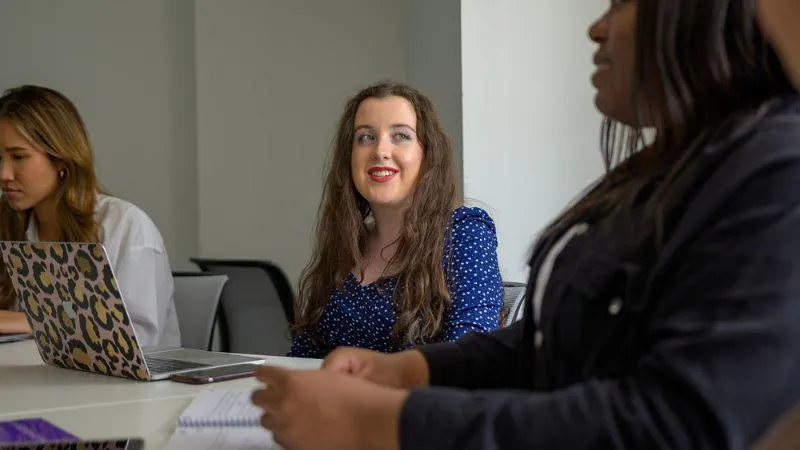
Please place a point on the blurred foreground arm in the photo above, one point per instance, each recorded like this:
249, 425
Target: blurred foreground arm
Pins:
780, 20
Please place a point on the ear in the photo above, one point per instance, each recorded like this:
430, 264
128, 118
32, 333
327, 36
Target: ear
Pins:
57, 163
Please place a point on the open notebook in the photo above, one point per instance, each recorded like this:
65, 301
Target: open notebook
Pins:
221, 419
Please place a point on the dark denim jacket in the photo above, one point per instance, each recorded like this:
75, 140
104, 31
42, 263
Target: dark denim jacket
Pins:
696, 345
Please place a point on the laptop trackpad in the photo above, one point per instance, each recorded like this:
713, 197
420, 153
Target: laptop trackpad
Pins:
204, 357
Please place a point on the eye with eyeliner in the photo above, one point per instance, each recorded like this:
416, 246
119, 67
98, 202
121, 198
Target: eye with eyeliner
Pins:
365, 138
402, 136
398, 135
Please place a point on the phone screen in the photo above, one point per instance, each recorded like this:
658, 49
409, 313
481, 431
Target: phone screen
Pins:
216, 374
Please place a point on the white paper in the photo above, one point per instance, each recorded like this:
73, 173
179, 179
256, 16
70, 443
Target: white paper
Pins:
221, 439
219, 407
206, 423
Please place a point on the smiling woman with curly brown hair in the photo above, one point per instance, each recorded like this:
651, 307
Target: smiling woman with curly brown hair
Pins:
398, 261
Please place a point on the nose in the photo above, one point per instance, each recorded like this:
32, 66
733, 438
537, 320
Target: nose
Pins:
383, 148
6, 174
598, 31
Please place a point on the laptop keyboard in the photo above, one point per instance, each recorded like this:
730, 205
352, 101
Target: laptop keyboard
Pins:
158, 365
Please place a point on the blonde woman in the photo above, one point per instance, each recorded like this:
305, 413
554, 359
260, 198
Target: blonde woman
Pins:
51, 193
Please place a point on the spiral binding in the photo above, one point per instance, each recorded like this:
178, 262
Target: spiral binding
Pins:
205, 422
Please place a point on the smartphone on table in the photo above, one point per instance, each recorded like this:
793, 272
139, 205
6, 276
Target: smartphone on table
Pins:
14, 337
225, 373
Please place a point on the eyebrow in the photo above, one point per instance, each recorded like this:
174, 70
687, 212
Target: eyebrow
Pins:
15, 149
394, 125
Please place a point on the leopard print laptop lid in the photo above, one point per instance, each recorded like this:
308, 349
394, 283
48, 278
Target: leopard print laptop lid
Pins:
73, 304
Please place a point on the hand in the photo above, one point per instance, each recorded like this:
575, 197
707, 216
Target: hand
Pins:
779, 19
13, 322
316, 410
403, 370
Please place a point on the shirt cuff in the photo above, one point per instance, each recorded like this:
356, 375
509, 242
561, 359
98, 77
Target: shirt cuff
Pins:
441, 358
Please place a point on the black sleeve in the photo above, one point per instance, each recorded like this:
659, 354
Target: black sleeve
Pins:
723, 357
477, 360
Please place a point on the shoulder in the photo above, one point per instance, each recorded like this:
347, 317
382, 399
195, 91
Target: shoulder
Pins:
467, 214
764, 162
123, 221
774, 137
754, 173
470, 224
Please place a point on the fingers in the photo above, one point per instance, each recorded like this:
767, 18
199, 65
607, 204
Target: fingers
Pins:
272, 375
340, 360
270, 399
274, 423
282, 444
267, 398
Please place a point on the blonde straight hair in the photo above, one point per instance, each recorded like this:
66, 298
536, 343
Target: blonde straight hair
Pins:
50, 121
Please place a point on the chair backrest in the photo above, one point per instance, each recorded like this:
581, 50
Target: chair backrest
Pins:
197, 298
513, 302
257, 306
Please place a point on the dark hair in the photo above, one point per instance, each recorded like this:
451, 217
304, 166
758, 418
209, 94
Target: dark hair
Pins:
702, 69
421, 297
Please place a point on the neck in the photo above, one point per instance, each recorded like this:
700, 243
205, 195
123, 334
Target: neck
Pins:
388, 224
47, 225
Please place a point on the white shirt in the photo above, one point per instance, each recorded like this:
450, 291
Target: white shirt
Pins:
140, 263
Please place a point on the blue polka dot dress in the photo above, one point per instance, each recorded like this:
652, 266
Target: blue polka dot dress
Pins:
363, 315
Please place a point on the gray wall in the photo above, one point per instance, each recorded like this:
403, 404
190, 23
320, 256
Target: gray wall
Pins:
135, 90
434, 61
216, 117
272, 79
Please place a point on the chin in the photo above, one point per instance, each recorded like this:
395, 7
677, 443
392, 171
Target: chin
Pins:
18, 205
378, 198
613, 114
603, 105
386, 203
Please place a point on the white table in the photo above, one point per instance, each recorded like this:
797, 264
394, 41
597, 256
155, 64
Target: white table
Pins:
153, 420
95, 406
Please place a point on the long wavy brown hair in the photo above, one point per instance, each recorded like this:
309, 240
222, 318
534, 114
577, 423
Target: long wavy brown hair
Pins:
702, 70
50, 121
421, 297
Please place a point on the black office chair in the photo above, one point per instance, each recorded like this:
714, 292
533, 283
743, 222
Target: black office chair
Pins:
513, 302
197, 299
257, 306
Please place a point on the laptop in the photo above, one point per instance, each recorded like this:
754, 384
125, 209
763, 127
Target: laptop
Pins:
78, 316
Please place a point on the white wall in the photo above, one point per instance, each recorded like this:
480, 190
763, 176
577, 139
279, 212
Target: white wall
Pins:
129, 67
530, 129
272, 79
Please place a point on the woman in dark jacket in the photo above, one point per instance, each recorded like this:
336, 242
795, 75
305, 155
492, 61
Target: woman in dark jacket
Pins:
663, 305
